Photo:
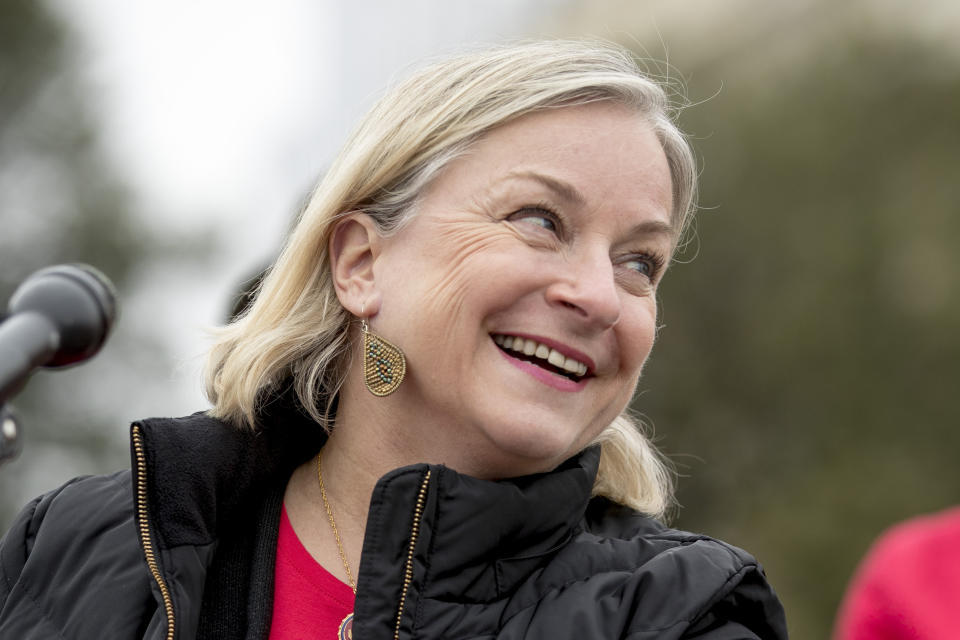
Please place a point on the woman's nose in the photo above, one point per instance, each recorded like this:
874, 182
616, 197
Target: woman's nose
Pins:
588, 287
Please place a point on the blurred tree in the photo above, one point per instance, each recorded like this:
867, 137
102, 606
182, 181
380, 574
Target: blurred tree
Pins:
57, 198
60, 203
807, 370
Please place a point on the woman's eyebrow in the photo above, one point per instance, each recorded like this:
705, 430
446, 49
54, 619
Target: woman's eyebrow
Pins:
561, 188
653, 228
572, 195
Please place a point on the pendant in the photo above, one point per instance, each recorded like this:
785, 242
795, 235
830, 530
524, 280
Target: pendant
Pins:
346, 628
384, 365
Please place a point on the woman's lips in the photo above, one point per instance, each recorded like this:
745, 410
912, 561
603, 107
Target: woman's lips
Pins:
549, 378
510, 345
559, 356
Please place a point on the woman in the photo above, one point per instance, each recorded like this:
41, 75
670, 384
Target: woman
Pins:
465, 307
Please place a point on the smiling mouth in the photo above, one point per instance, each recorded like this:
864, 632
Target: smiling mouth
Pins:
541, 355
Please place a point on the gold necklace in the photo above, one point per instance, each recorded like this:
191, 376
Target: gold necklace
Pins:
333, 524
345, 632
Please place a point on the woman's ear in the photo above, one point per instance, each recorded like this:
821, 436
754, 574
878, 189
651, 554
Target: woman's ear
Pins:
354, 246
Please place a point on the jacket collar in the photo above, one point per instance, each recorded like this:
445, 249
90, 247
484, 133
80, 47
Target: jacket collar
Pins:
488, 536
201, 473
435, 534
476, 539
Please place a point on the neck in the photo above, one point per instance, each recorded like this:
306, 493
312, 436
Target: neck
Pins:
364, 445
372, 436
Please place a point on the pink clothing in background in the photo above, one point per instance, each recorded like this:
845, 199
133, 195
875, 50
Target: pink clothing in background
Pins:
908, 586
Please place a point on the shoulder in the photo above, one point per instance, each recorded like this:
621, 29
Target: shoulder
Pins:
58, 517
69, 550
920, 537
675, 583
637, 539
910, 552
909, 578
632, 539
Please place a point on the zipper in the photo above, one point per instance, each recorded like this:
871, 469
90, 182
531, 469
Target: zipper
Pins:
146, 539
414, 534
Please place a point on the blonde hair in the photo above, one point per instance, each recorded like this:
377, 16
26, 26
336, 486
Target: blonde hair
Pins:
297, 331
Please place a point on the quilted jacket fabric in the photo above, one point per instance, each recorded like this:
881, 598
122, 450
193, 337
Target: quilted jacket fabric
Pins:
182, 547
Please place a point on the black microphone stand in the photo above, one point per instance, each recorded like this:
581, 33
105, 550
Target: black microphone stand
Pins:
9, 434
10, 424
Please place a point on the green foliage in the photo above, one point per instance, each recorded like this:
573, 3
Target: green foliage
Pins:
806, 375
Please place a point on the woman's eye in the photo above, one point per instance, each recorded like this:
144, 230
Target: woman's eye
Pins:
537, 216
646, 265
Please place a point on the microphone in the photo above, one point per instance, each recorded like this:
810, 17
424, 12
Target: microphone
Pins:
58, 316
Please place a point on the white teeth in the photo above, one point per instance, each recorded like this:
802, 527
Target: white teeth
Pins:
556, 358
534, 348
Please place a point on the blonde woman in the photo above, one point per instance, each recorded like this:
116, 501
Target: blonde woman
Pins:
419, 426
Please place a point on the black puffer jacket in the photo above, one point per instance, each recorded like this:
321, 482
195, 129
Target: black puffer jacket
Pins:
189, 552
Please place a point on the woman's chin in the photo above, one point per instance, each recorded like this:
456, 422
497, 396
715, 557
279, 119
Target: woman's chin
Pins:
520, 451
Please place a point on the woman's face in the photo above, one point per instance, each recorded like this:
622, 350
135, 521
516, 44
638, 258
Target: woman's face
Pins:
523, 291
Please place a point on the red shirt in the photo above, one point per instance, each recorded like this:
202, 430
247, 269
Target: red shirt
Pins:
308, 602
908, 587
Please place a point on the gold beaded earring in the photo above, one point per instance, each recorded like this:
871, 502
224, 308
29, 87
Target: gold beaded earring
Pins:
384, 365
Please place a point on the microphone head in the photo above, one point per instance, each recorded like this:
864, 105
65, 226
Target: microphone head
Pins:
78, 300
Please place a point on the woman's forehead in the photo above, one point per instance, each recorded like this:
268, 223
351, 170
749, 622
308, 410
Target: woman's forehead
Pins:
579, 156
